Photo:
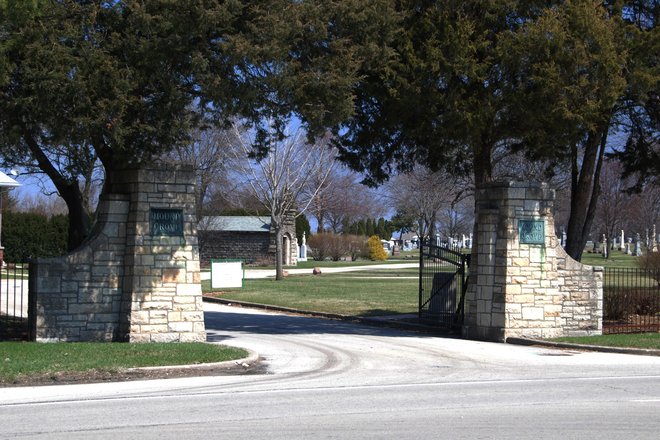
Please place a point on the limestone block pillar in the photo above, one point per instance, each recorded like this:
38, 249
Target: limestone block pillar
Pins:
162, 299
521, 281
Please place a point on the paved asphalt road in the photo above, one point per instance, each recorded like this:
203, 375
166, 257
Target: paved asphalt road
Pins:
334, 380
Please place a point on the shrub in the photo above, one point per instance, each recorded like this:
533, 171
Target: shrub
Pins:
357, 246
376, 251
618, 306
337, 246
30, 235
651, 263
321, 245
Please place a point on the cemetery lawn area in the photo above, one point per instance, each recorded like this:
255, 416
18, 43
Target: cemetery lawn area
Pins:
616, 259
351, 293
636, 340
29, 362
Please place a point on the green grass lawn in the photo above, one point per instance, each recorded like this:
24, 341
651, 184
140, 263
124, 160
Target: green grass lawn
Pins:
616, 259
29, 359
352, 294
638, 340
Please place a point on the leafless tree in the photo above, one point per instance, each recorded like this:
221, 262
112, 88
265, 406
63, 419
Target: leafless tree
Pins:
644, 210
208, 153
343, 198
614, 203
280, 181
423, 194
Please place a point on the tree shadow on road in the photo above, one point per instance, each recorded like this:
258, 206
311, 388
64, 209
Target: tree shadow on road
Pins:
248, 321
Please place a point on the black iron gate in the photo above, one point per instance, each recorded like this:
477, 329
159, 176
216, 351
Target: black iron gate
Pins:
14, 302
443, 280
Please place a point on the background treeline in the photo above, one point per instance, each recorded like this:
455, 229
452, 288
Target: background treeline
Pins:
368, 227
28, 235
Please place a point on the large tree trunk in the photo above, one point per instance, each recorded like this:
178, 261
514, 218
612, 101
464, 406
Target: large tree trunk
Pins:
585, 189
79, 222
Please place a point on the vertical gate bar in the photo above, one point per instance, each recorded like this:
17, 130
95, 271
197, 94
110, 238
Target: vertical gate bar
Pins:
421, 271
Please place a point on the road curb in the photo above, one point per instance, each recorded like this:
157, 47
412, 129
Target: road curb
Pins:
252, 358
599, 348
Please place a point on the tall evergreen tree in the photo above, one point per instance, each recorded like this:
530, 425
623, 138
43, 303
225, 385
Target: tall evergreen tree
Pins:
473, 77
125, 80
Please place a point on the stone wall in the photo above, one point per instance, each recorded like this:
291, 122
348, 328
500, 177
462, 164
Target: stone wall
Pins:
130, 281
522, 288
251, 247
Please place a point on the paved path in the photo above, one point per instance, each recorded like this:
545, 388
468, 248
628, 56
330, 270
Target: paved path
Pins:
265, 273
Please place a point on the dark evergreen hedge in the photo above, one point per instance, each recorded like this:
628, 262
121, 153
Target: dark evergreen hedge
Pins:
29, 235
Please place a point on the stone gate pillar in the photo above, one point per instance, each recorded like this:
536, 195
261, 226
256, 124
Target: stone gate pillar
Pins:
137, 277
162, 295
522, 282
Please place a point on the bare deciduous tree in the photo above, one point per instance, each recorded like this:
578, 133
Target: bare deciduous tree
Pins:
208, 153
281, 179
343, 198
423, 194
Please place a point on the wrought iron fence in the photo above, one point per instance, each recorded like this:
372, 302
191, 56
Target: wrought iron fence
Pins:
631, 300
14, 302
443, 274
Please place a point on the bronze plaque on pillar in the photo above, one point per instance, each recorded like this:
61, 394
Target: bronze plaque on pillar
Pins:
531, 231
167, 222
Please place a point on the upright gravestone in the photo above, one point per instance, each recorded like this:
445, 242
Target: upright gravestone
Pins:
605, 248
638, 246
137, 278
522, 283
622, 244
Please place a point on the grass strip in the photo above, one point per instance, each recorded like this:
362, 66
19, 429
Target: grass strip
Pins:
334, 293
636, 340
28, 358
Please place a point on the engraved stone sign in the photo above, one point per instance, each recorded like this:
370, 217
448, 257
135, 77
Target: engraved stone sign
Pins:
167, 222
531, 231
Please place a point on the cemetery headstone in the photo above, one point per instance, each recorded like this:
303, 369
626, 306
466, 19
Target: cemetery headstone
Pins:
638, 246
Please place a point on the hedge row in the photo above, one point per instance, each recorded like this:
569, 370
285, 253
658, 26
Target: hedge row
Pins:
29, 235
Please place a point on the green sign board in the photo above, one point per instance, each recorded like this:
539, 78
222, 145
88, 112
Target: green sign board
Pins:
531, 231
166, 222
